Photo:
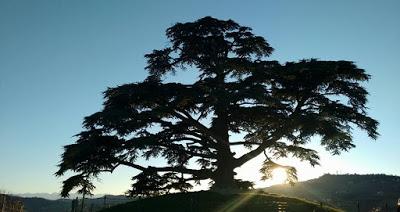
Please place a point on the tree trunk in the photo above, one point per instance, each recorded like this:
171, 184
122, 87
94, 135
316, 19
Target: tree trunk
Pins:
224, 175
83, 202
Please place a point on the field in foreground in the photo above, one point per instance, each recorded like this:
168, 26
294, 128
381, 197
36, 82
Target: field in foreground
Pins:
215, 202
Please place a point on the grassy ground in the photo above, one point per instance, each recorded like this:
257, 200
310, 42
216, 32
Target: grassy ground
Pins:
215, 202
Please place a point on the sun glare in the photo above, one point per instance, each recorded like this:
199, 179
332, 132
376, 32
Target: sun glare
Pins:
279, 176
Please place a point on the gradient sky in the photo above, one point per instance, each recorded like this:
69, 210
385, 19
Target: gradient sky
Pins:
57, 56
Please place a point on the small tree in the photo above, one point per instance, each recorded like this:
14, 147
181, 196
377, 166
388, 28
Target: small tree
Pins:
277, 108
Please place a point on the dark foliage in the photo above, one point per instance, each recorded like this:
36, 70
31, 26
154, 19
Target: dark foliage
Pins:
277, 107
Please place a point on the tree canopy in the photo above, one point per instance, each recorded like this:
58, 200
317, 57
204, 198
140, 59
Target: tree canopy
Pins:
276, 107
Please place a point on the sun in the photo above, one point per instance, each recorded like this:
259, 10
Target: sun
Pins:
279, 176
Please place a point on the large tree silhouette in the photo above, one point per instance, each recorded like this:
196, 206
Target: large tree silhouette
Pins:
276, 108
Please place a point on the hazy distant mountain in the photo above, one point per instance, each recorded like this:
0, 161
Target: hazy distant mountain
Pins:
347, 191
54, 196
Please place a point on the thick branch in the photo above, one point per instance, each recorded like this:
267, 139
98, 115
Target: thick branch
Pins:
199, 173
133, 165
244, 143
248, 156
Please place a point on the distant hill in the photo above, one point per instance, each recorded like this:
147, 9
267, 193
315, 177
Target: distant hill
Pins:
206, 201
35, 204
347, 191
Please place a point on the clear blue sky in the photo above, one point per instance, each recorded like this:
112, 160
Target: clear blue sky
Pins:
57, 56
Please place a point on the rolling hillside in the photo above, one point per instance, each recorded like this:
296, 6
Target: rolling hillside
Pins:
347, 191
206, 201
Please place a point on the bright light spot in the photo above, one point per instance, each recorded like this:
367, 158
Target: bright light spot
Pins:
279, 176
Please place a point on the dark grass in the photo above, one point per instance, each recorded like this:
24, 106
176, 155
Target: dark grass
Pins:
215, 202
